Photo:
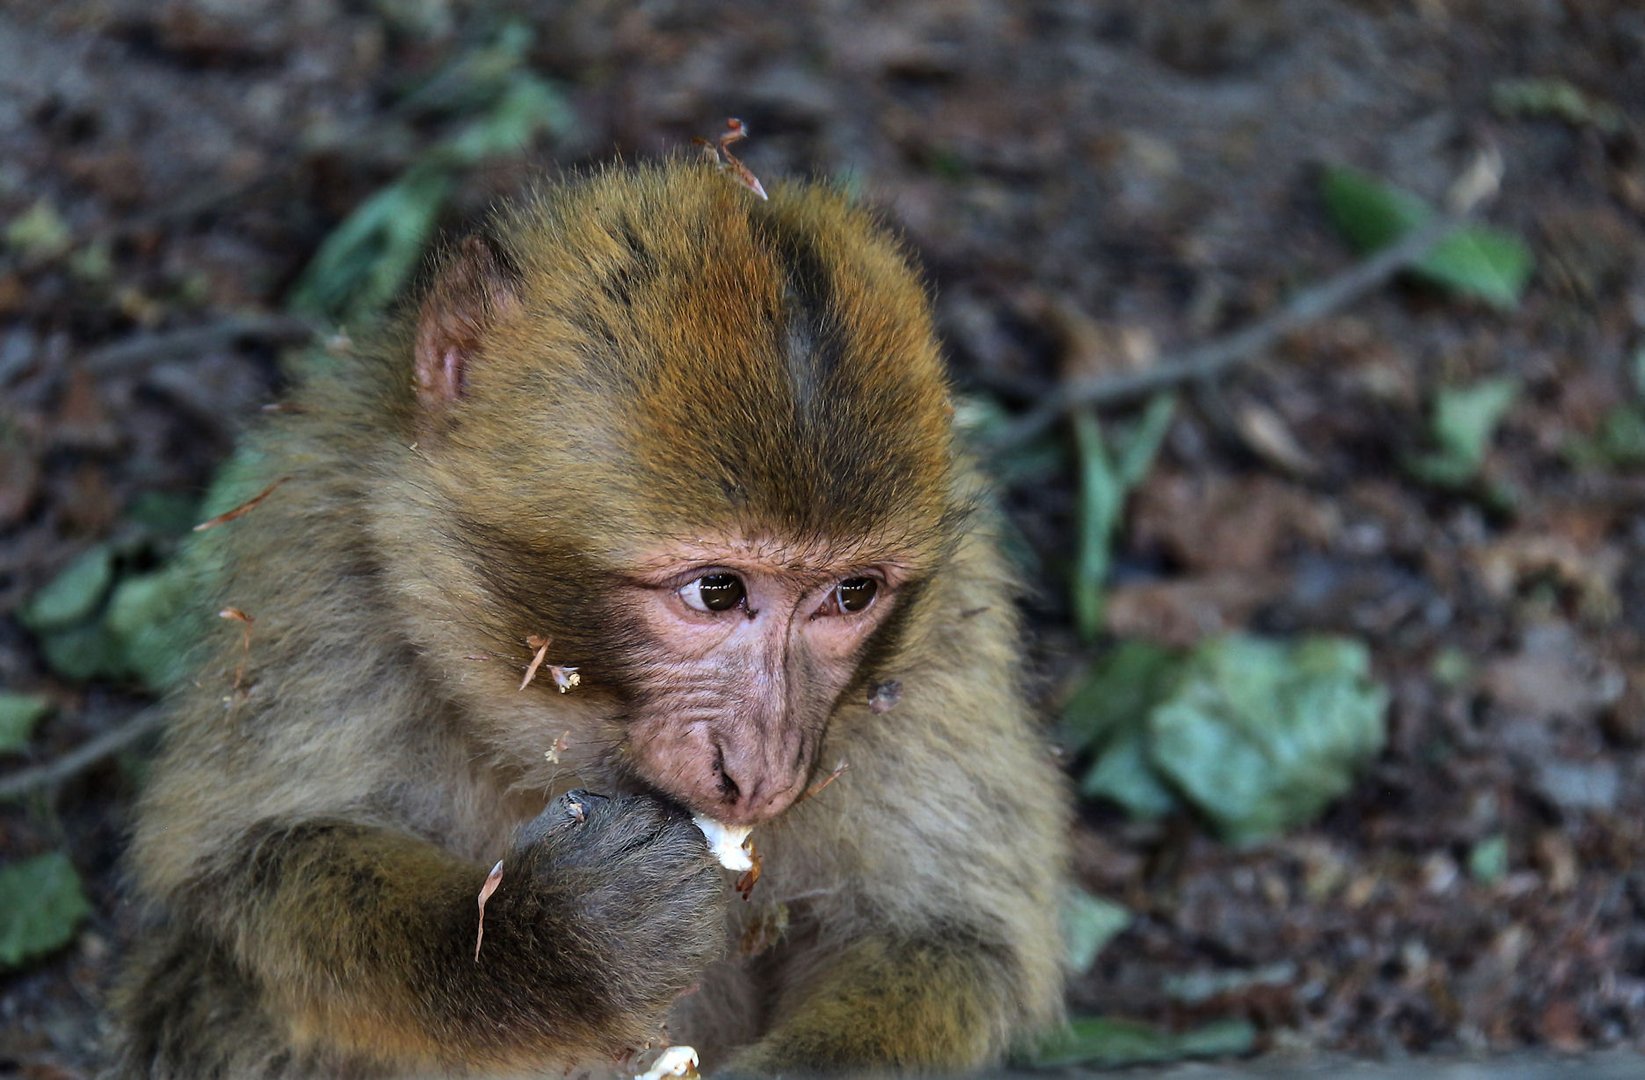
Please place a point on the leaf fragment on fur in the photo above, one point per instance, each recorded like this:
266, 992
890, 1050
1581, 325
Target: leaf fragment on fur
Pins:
245, 622
493, 879
244, 508
751, 876
719, 152
541, 645
566, 678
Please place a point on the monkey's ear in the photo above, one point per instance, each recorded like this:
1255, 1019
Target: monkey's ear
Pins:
471, 292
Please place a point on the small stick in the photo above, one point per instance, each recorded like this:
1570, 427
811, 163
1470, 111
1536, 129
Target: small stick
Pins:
816, 789
1220, 354
82, 757
148, 348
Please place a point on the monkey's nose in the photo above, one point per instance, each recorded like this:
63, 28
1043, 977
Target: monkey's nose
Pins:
750, 792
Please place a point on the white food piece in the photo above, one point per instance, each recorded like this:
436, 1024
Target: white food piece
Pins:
675, 1061
726, 842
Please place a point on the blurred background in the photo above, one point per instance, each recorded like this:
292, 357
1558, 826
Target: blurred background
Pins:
1338, 625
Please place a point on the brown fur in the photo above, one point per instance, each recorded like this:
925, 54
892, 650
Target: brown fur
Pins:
648, 358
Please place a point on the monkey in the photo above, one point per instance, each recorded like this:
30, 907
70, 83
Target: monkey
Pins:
700, 448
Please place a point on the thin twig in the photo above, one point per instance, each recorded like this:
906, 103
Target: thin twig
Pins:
82, 757
150, 348
1221, 354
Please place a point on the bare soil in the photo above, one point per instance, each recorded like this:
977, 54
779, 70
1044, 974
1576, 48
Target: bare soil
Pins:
1089, 186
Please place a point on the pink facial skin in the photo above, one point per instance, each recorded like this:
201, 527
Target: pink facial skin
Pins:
737, 699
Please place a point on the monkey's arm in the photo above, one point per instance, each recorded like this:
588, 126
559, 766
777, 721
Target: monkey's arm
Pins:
363, 938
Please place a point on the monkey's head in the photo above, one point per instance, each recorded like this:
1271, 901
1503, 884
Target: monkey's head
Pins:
698, 442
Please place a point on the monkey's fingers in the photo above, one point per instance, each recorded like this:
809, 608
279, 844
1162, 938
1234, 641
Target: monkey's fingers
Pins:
561, 815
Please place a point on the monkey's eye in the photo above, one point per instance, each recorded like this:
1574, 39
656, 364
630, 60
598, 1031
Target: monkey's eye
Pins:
851, 596
714, 592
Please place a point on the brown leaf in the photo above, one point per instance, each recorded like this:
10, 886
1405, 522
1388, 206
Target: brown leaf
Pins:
245, 622
750, 877
1182, 613
541, 645
719, 151
1211, 523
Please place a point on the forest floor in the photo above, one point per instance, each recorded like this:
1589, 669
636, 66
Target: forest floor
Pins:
1090, 186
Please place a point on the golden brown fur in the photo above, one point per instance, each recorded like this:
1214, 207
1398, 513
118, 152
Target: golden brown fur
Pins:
656, 358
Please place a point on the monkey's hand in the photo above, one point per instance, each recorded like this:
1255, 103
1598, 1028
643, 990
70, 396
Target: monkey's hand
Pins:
628, 883
948, 994
607, 911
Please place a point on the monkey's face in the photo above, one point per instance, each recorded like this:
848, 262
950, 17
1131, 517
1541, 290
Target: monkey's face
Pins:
750, 648
701, 445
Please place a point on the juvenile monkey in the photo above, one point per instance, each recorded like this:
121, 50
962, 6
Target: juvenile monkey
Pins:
702, 445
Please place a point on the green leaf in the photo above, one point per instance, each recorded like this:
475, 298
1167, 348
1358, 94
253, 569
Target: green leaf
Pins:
1125, 774
1261, 736
1464, 422
1142, 444
527, 108
39, 232
73, 595
1117, 693
1488, 860
1099, 504
147, 618
1478, 261
1556, 99
1112, 1043
165, 513
40, 906
1106, 479
367, 258
1108, 714
1619, 443
18, 715
1089, 923
979, 417
1367, 212
83, 653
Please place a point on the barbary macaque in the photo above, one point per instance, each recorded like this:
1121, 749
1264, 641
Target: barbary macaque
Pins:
698, 447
